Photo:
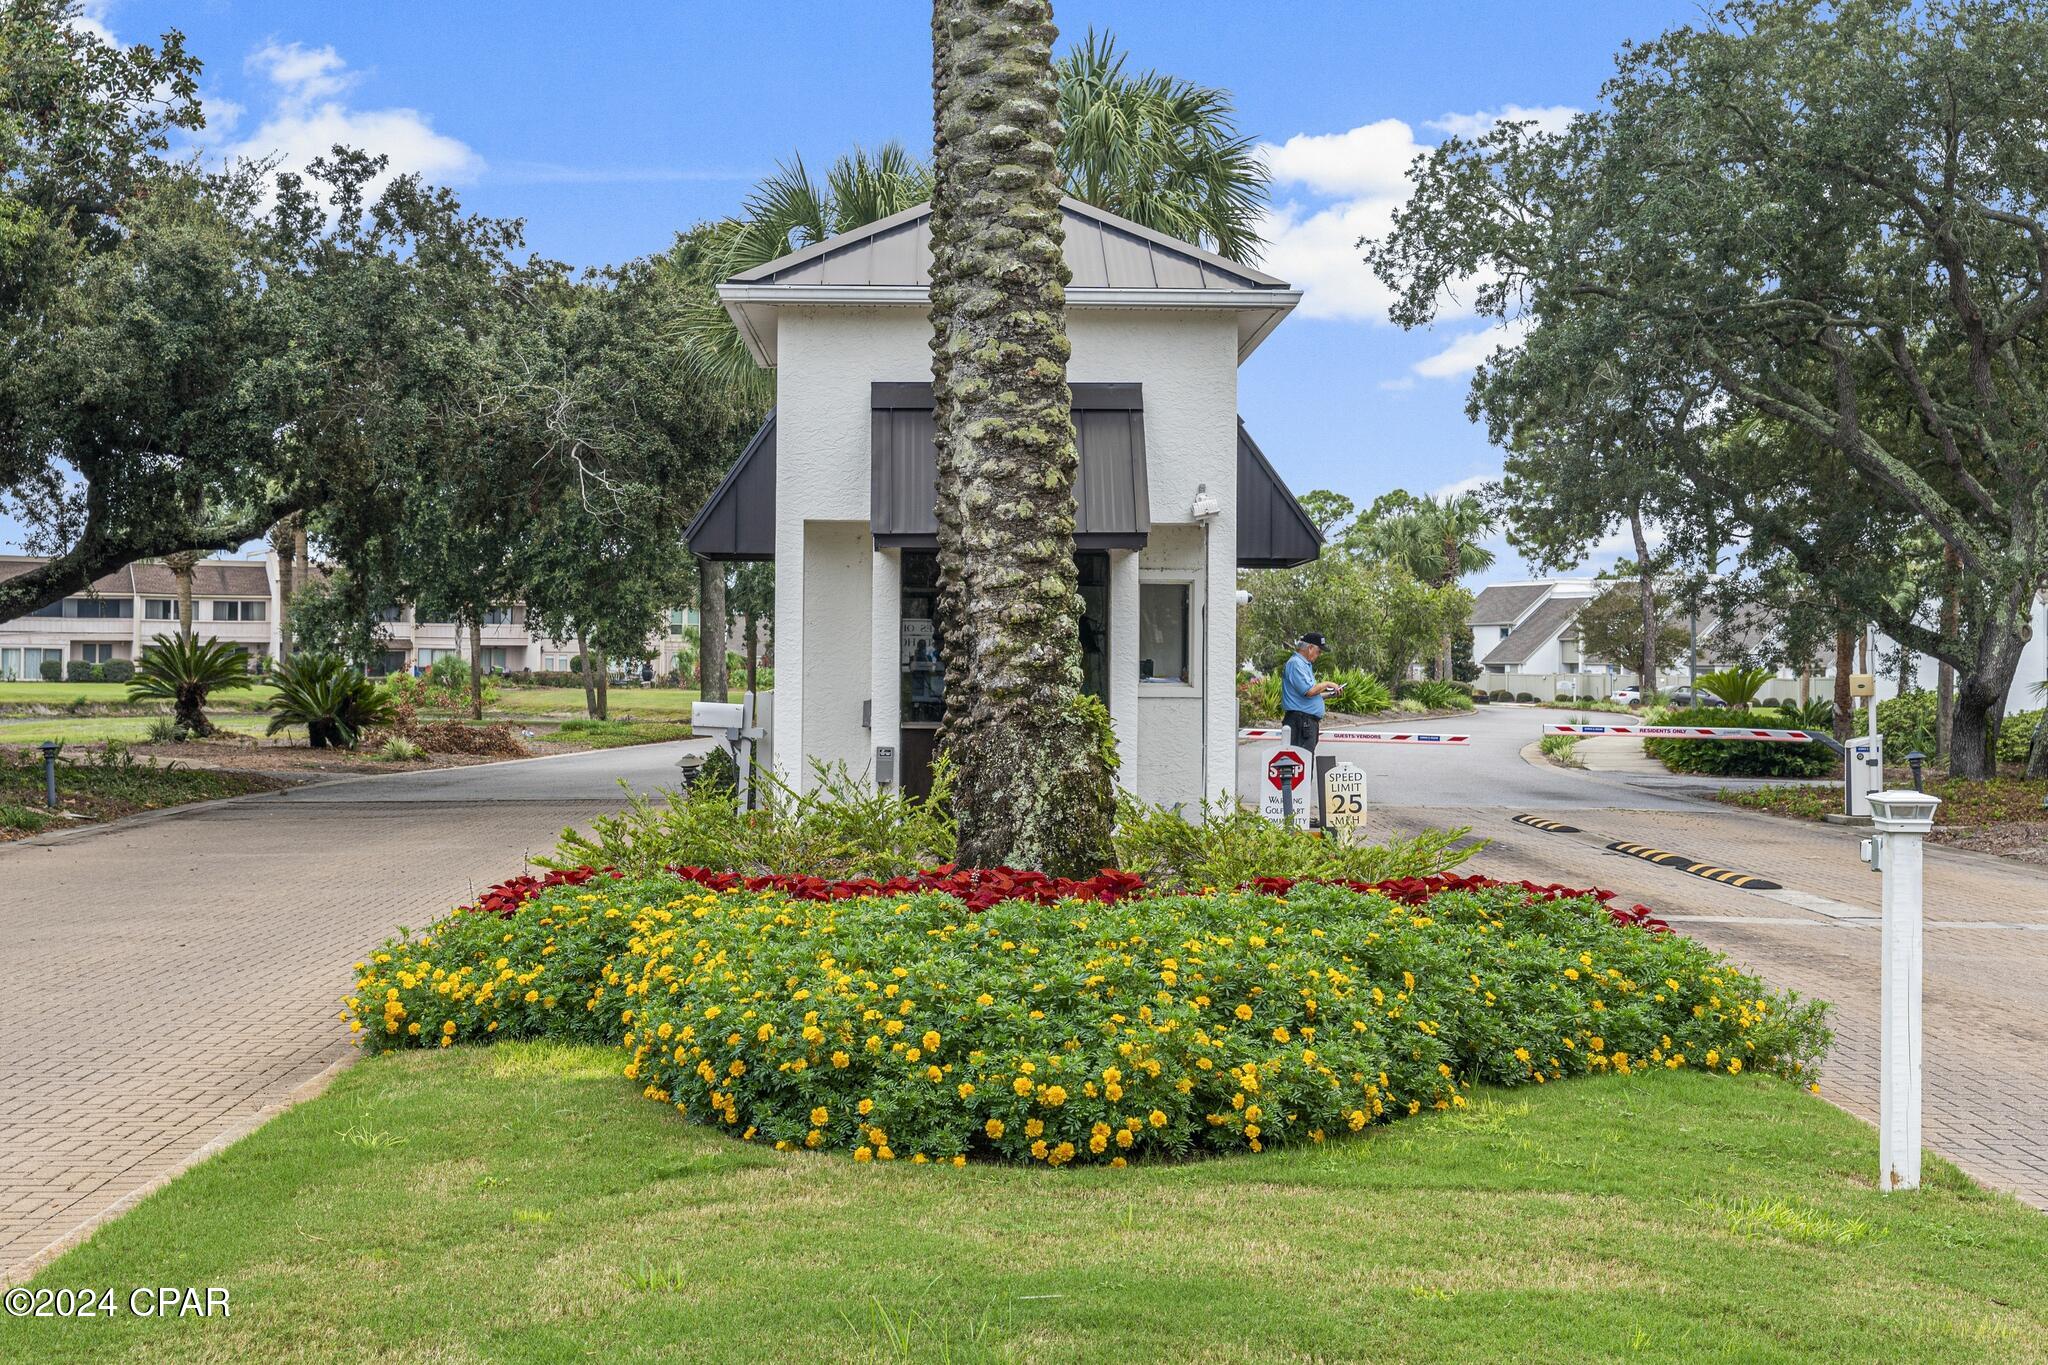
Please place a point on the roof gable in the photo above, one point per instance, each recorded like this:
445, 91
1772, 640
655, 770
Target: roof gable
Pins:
1103, 251
1543, 625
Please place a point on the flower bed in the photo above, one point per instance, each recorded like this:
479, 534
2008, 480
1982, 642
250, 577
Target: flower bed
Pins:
908, 1024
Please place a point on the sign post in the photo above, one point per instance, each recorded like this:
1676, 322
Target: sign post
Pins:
1901, 819
1344, 802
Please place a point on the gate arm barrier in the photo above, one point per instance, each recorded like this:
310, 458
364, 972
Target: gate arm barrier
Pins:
1699, 732
1360, 737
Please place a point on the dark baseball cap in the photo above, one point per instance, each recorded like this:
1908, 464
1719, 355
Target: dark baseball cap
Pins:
1311, 637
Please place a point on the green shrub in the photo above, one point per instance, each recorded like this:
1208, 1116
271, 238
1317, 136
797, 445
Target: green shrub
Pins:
1501, 694
164, 730
117, 671
1436, 696
1258, 700
1229, 846
1906, 722
1734, 757
841, 827
1525, 696
399, 749
79, 671
187, 671
1363, 694
2015, 736
903, 1027
51, 670
1563, 748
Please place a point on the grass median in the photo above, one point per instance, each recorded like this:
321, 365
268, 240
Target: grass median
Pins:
522, 1203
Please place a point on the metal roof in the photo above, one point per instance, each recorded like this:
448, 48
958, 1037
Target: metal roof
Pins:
1112, 502
1503, 604
1543, 625
738, 519
1114, 261
1103, 250
1273, 532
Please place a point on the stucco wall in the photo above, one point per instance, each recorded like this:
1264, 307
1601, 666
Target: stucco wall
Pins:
829, 356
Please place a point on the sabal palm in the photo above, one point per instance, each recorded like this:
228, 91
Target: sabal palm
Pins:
185, 672
1153, 148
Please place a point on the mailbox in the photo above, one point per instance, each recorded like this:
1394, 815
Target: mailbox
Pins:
1862, 684
716, 717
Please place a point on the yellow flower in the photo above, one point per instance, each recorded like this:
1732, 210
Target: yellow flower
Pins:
866, 1107
1157, 1118
885, 1154
1053, 1096
863, 1154
930, 1041
820, 1117
1735, 1066
965, 1088
1281, 1035
1033, 1127
994, 1128
1243, 1011
840, 1059
1022, 1085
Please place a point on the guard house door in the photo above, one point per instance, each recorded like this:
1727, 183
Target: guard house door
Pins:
924, 676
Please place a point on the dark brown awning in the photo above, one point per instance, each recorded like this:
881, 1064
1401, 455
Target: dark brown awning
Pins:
738, 521
1272, 530
1111, 508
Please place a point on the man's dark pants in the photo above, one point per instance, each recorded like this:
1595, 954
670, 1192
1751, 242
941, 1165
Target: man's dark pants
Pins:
1303, 729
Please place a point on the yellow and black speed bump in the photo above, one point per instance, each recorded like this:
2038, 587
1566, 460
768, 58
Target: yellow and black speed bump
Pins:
1538, 822
1666, 858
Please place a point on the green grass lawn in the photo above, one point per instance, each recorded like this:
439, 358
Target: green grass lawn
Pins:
100, 791
523, 1203
135, 729
625, 702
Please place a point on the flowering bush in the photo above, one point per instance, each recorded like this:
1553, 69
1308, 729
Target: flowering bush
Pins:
905, 1025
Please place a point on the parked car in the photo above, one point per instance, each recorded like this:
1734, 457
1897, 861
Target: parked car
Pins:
1628, 696
1684, 696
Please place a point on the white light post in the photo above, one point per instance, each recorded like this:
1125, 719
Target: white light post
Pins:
1900, 819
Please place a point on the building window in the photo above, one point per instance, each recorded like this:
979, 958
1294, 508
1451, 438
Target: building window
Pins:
95, 652
1504, 631
1163, 617
428, 657
497, 616
920, 644
390, 614
160, 609
555, 663
680, 619
498, 659
26, 665
241, 611
387, 661
89, 608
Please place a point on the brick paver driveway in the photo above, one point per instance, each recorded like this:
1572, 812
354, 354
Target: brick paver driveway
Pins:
169, 979
1985, 1002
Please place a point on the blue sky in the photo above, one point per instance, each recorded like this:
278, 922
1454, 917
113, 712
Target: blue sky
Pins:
609, 126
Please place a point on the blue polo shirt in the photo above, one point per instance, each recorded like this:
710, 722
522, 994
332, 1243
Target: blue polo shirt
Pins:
1296, 678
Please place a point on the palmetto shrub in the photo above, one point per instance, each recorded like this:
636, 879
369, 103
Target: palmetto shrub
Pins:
906, 1027
186, 672
1736, 686
332, 701
1437, 696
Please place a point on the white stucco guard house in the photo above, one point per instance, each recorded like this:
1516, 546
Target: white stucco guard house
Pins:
1173, 496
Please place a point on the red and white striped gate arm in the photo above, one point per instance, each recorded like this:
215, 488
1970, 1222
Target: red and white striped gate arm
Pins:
1688, 732
1361, 737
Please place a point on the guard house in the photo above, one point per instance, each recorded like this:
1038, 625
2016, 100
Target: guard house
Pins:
1173, 495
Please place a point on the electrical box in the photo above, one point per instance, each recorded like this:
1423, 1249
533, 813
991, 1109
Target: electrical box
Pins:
715, 717
1862, 684
885, 766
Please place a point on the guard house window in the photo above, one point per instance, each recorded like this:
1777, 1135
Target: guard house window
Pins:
1163, 633
920, 642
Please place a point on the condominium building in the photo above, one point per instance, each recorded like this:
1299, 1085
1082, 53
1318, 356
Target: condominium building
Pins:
236, 600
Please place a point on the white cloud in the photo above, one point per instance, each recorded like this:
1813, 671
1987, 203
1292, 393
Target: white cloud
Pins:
91, 17
1548, 118
1345, 186
1400, 385
1466, 485
310, 115
1469, 349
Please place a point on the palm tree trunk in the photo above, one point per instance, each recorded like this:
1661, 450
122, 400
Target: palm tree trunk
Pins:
181, 566
712, 683
1032, 787
1646, 596
1443, 653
